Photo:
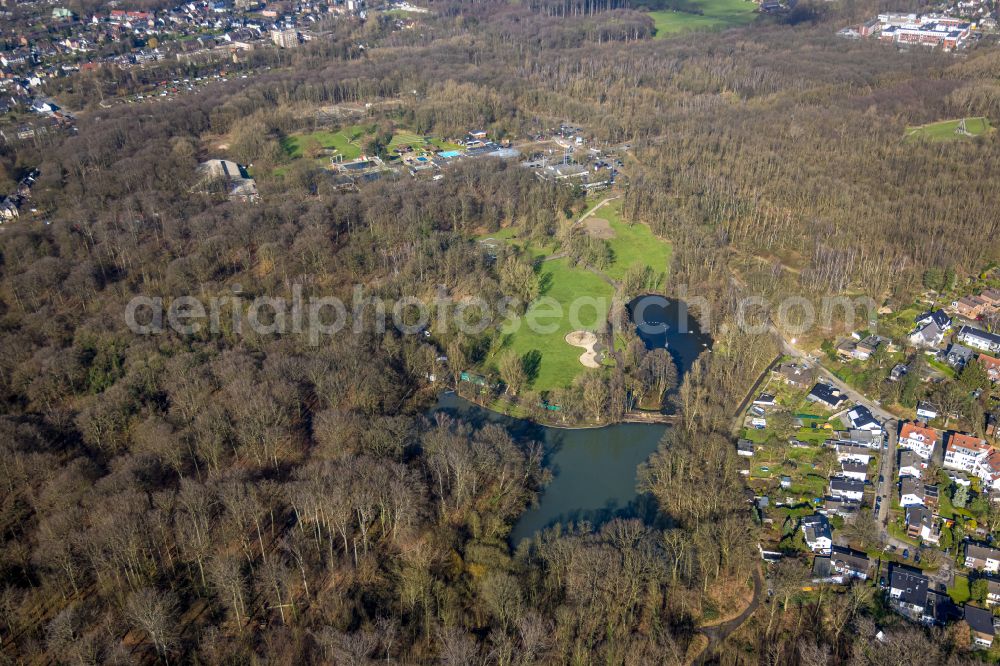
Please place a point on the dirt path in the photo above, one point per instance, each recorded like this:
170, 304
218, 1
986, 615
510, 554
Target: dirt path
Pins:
593, 210
719, 632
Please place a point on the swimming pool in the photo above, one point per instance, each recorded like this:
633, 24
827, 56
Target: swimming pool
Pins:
450, 153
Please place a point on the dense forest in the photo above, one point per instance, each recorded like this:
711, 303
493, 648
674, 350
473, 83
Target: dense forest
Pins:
226, 498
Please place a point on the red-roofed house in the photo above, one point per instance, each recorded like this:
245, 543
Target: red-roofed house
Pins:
965, 452
989, 470
992, 367
919, 438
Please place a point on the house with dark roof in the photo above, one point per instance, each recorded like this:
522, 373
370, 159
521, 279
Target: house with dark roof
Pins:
794, 374
911, 492
851, 489
840, 506
982, 558
862, 419
908, 591
979, 339
980, 622
827, 395
910, 464
744, 447
921, 524
854, 470
850, 563
818, 536
937, 317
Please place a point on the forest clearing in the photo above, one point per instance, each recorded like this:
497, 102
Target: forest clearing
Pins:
714, 15
950, 130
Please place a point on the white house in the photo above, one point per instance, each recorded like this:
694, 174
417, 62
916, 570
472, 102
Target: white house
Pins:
854, 470
982, 558
979, 339
926, 411
852, 451
816, 529
965, 452
851, 489
910, 464
862, 419
919, 439
911, 492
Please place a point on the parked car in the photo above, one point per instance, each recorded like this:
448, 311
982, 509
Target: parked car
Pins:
906, 553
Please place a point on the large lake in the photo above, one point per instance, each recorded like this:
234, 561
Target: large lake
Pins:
594, 470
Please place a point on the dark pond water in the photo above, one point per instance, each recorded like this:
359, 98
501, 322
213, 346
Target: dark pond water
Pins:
594, 470
665, 322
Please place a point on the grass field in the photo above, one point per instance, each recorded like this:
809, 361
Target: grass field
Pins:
946, 130
560, 362
634, 244
349, 141
715, 15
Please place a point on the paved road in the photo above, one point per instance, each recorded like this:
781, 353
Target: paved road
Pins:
885, 488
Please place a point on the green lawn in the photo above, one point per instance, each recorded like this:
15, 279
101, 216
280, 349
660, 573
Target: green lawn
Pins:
705, 15
346, 142
560, 361
634, 244
349, 141
946, 129
960, 593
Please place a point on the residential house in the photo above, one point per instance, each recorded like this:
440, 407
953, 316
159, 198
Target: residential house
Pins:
794, 374
816, 529
854, 470
958, 356
991, 297
932, 495
927, 335
864, 349
992, 366
898, 371
910, 464
980, 622
908, 591
926, 411
993, 592
840, 506
765, 400
969, 306
852, 451
826, 395
744, 447
965, 452
851, 489
862, 419
850, 563
870, 438
918, 438
982, 558
921, 524
979, 339
937, 317
911, 492
989, 470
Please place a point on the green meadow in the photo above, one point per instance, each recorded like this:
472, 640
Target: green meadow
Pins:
562, 285
706, 15
947, 130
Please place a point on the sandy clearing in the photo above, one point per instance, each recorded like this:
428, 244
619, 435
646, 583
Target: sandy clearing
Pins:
586, 340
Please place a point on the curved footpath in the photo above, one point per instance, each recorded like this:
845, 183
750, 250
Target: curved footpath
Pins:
717, 633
